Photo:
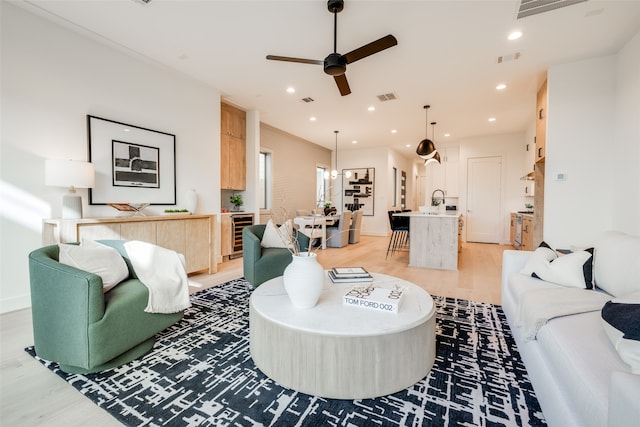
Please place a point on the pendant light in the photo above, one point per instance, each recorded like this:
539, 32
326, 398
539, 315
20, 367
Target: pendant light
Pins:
436, 157
334, 173
426, 148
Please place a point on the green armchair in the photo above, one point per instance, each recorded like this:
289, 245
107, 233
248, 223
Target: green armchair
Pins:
261, 264
83, 329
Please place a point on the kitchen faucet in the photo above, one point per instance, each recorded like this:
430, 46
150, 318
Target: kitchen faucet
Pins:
433, 198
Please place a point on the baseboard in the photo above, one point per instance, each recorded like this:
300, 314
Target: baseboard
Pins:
15, 303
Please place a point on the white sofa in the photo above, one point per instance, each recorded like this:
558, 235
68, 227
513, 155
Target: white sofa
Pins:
577, 373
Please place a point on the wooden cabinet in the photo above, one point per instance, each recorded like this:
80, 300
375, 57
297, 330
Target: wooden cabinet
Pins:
512, 229
541, 123
527, 232
190, 235
226, 248
233, 148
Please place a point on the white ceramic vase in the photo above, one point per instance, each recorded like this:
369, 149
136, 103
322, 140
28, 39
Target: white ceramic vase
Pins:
304, 280
191, 201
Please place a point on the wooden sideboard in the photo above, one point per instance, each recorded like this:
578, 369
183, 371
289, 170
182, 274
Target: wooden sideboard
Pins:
191, 235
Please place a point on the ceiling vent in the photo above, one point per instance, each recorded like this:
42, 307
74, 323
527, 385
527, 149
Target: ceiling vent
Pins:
141, 1
307, 99
387, 97
534, 7
509, 57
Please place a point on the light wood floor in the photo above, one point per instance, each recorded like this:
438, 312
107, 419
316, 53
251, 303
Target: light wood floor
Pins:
30, 395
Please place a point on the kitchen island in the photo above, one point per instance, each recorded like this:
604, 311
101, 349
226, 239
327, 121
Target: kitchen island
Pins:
433, 240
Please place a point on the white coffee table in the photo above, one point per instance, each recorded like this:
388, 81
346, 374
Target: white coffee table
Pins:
342, 352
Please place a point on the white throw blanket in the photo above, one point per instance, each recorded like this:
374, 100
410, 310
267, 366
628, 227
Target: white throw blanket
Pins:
538, 306
163, 272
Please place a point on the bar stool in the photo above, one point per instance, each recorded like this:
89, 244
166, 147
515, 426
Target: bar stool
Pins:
399, 239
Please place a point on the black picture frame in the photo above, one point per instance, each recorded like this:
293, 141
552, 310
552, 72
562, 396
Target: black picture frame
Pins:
133, 164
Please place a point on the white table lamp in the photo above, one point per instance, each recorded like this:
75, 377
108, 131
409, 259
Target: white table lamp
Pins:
72, 174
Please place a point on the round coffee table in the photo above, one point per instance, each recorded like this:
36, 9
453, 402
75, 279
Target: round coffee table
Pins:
338, 351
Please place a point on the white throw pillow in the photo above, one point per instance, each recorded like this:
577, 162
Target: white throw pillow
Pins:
274, 237
540, 257
571, 270
96, 258
621, 323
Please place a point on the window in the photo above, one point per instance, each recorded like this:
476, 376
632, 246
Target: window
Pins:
265, 180
322, 195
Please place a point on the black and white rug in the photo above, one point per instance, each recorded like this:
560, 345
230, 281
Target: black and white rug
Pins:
200, 373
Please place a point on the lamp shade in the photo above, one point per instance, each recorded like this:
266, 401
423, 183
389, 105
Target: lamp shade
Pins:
434, 159
69, 173
426, 149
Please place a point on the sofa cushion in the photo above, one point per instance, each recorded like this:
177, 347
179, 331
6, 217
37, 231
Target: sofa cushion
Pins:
621, 323
274, 237
571, 270
542, 256
98, 259
617, 263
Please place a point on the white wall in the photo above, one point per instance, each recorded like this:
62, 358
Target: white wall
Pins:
592, 137
52, 78
626, 150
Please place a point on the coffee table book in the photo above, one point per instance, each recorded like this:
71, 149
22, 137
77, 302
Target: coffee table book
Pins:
350, 279
380, 299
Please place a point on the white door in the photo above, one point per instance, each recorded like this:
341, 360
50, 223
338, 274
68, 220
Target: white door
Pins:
484, 183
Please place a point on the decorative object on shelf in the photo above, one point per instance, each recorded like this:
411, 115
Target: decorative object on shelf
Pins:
176, 211
131, 163
359, 191
426, 148
236, 201
134, 209
191, 200
72, 174
436, 157
304, 280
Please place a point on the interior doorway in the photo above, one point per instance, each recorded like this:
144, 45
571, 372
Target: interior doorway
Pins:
484, 188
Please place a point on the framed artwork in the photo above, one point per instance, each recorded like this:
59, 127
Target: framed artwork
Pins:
133, 164
359, 191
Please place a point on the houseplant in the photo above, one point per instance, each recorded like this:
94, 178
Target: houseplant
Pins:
236, 200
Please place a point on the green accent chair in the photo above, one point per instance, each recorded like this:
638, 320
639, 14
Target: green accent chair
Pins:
83, 329
262, 264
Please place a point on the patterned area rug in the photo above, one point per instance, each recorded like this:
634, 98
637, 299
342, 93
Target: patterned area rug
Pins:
200, 373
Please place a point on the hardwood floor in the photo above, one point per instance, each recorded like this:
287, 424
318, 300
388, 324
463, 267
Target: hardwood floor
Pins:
30, 395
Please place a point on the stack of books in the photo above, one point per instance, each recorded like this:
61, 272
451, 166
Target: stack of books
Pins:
349, 275
380, 299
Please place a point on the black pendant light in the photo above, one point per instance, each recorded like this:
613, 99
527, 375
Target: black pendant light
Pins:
426, 149
436, 157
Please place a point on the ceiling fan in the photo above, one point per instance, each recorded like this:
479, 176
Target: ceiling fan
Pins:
336, 64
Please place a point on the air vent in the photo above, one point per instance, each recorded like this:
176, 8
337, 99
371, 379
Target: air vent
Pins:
509, 57
141, 1
307, 99
387, 97
534, 7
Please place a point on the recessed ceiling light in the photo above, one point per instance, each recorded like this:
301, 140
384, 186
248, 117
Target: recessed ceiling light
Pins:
408, 145
492, 119
515, 35
126, 130
372, 108
291, 90
501, 86
394, 131
313, 119
354, 142
447, 134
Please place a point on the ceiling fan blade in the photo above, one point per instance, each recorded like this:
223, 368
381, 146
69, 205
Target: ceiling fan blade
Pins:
343, 84
369, 49
300, 60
